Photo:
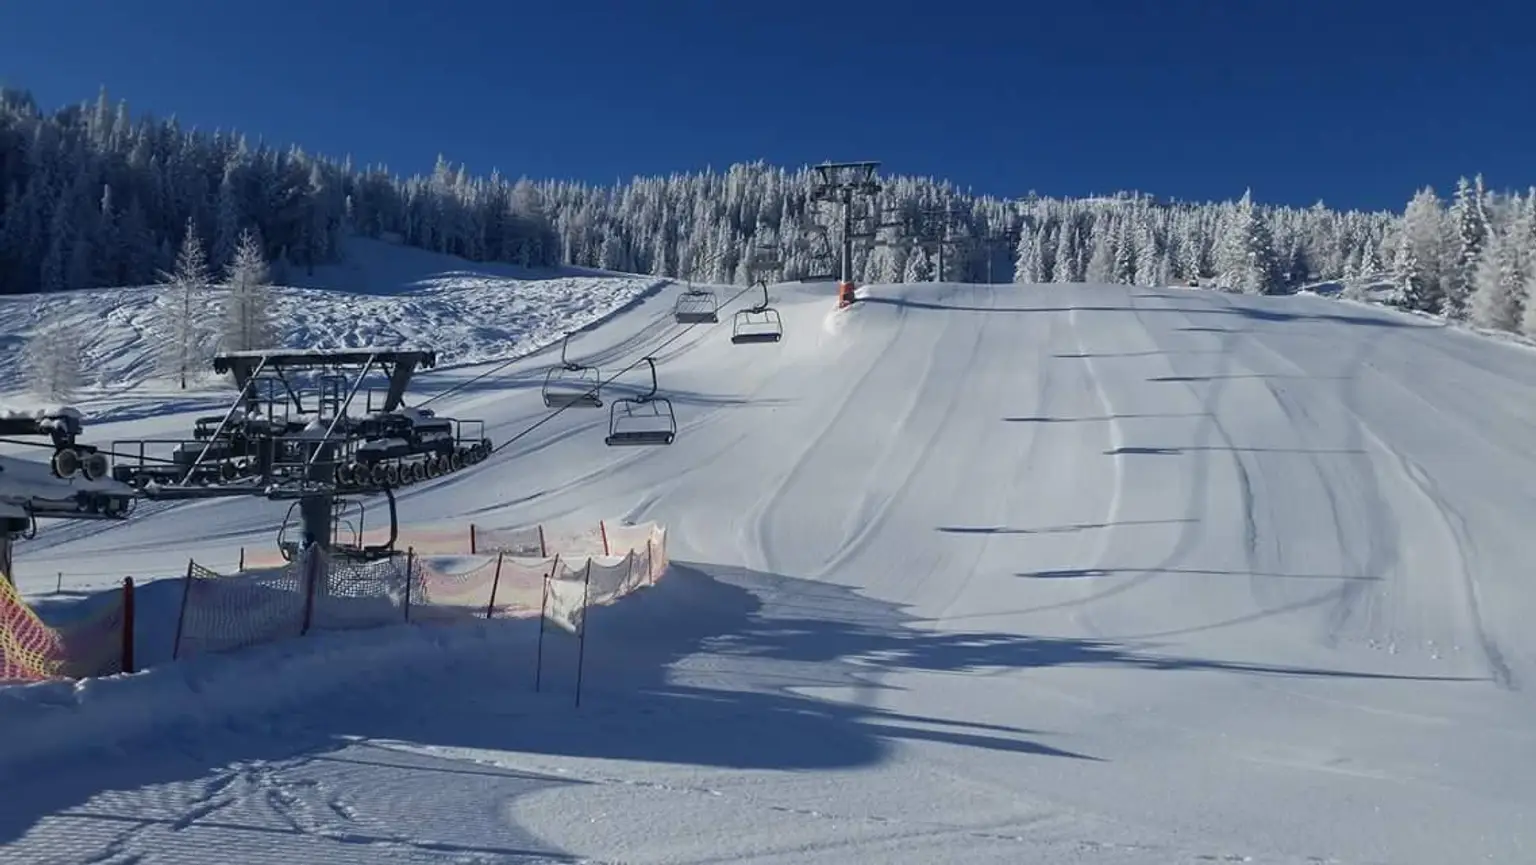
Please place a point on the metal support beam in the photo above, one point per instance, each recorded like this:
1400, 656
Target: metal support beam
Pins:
318, 509
935, 229
245, 386
990, 246
399, 380
341, 412
839, 183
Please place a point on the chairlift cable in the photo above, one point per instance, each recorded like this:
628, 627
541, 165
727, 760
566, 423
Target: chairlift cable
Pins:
106, 451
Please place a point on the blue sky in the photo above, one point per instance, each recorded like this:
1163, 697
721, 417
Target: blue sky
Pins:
1356, 102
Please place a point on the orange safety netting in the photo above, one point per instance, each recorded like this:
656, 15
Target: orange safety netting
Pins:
510, 573
32, 651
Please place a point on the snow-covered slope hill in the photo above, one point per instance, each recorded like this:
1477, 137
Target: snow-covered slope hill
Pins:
382, 294
968, 573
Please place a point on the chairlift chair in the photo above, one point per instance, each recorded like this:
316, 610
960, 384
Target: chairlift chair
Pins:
757, 324
572, 385
361, 552
646, 419
341, 547
697, 306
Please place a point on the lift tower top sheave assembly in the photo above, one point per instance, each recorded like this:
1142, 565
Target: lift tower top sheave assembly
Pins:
839, 183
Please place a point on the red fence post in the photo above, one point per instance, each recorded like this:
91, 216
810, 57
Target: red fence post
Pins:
127, 664
602, 526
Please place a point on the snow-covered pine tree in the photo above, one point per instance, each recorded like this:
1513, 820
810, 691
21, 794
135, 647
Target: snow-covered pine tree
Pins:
161, 174
107, 267
183, 322
62, 233
1068, 259
1152, 266
1126, 238
1245, 255
1498, 295
230, 213
1101, 264
1521, 231
1420, 251
884, 264
1371, 265
1175, 254
52, 358
919, 266
614, 255
248, 312
1026, 255
1467, 229
1528, 305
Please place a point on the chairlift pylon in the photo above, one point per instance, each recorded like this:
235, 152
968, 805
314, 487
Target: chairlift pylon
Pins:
696, 306
646, 419
572, 385
757, 324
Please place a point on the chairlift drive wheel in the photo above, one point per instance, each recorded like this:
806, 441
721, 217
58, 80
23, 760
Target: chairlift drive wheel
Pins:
64, 463
95, 466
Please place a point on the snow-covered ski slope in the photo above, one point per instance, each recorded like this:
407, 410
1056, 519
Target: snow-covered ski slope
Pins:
381, 294
972, 574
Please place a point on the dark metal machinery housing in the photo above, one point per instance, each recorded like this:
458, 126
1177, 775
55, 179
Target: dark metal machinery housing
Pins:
294, 432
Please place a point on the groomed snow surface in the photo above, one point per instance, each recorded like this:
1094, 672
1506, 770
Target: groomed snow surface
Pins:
970, 574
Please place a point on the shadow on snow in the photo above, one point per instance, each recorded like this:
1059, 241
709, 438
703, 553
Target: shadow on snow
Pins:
1254, 311
702, 669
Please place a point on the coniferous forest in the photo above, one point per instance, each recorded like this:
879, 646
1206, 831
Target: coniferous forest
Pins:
91, 196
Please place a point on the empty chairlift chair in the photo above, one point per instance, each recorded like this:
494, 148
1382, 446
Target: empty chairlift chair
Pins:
572, 385
697, 306
760, 323
646, 419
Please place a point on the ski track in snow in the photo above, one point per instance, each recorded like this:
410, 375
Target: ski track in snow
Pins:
1447, 520
978, 573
